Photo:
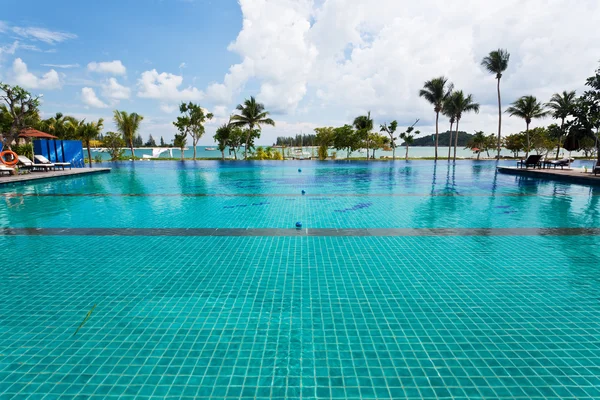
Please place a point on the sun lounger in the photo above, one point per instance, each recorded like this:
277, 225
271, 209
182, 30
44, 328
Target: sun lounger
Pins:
532, 161
6, 170
44, 160
597, 168
27, 163
565, 162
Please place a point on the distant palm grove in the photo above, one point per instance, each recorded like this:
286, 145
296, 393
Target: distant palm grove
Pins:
576, 126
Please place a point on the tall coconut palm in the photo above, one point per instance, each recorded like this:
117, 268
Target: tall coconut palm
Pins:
448, 111
364, 125
496, 63
252, 114
528, 108
462, 104
89, 132
72, 127
127, 125
561, 106
436, 91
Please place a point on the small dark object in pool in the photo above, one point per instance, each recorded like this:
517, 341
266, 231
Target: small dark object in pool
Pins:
502, 206
299, 170
303, 192
298, 224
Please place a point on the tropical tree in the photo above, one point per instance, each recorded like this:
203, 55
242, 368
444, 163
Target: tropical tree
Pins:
515, 143
436, 91
345, 138
478, 143
19, 110
55, 125
114, 143
496, 63
222, 138
527, 108
364, 125
252, 115
128, 125
462, 104
391, 130
376, 142
88, 132
192, 122
72, 127
449, 111
180, 141
561, 106
408, 138
236, 138
325, 138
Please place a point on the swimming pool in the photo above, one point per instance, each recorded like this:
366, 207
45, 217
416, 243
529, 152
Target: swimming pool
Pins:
407, 280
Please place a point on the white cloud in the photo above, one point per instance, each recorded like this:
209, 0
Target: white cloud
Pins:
344, 57
9, 49
113, 90
165, 86
42, 34
89, 98
220, 111
64, 66
22, 77
168, 108
182, 65
115, 67
3, 26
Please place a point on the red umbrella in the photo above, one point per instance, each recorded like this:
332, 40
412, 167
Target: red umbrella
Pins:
34, 133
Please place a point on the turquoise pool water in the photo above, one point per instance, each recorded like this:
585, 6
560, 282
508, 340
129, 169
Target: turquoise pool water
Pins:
407, 280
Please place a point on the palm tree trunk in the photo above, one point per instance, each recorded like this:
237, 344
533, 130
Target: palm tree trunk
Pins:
406, 157
437, 118
182, 150
394, 151
223, 155
131, 148
194, 142
527, 135
89, 154
562, 124
450, 140
367, 143
456, 138
499, 118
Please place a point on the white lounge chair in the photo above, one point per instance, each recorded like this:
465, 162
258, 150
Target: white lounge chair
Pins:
27, 163
6, 170
44, 160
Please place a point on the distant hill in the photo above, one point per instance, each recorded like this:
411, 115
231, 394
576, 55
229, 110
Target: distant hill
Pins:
429, 140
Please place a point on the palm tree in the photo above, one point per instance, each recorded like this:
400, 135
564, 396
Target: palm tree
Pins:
364, 125
448, 111
561, 106
436, 91
127, 125
528, 108
496, 63
252, 114
462, 104
72, 127
89, 132
222, 138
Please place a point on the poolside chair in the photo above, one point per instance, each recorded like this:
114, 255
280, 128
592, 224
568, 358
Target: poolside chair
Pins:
44, 160
565, 162
597, 168
27, 163
533, 161
6, 170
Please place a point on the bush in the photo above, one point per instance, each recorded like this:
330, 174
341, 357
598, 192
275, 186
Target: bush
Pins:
98, 158
323, 149
24, 150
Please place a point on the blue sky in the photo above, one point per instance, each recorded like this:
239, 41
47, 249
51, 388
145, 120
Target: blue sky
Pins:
313, 63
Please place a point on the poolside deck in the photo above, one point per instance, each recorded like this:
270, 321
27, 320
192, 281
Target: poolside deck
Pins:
40, 175
573, 175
